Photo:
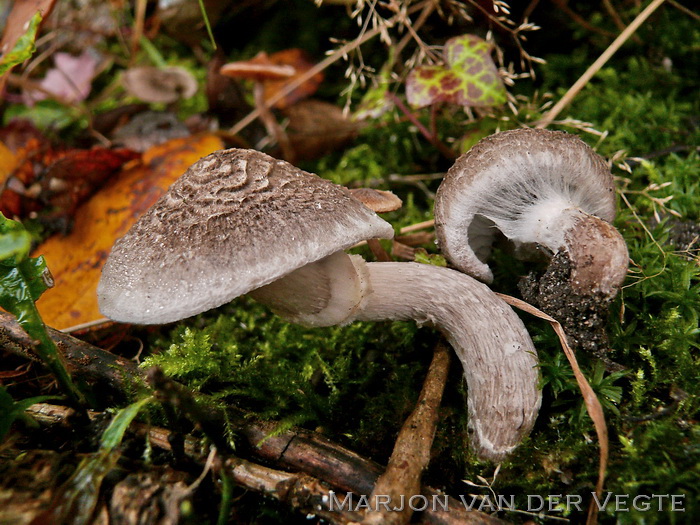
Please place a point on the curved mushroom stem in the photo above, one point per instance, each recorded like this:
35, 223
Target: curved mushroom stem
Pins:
497, 354
499, 359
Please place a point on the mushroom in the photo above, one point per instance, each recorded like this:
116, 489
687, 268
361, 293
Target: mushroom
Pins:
165, 85
239, 221
379, 201
261, 69
542, 190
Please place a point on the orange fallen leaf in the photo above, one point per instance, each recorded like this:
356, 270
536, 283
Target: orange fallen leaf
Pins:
7, 162
76, 260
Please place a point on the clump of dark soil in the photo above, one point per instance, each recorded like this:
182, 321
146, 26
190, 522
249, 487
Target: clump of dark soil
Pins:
583, 317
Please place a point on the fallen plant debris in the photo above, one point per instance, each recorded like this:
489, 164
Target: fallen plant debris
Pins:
291, 449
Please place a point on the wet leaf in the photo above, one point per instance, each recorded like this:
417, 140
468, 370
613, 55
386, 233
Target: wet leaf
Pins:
14, 245
76, 260
469, 77
22, 281
114, 434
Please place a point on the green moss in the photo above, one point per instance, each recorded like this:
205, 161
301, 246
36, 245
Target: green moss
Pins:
349, 380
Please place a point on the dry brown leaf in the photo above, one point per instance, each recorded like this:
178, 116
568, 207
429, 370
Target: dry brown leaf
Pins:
76, 260
593, 406
317, 128
301, 64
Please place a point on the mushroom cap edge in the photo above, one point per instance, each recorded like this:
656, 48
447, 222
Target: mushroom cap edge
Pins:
235, 221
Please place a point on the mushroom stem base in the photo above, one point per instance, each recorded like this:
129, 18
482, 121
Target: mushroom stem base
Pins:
499, 359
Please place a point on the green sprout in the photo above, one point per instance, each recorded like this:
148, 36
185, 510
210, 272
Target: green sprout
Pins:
22, 281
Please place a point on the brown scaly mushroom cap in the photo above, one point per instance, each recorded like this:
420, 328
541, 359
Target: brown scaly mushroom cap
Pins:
239, 221
539, 188
165, 85
235, 221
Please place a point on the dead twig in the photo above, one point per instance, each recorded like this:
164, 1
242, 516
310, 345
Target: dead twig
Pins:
563, 5
86, 362
411, 453
313, 458
430, 137
295, 450
599, 63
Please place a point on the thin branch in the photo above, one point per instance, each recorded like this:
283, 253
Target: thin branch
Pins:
311, 457
564, 6
599, 63
422, 18
334, 57
296, 450
684, 10
617, 19
139, 21
86, 362
433, 139
411, 454
418, 226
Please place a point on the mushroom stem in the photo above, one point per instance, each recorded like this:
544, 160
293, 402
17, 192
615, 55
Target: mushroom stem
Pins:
597, 251
497, 354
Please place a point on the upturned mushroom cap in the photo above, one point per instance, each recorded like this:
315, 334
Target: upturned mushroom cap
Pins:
165, 85
532, 185
235, 221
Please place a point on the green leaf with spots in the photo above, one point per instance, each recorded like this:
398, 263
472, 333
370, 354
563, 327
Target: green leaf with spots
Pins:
469, 77
24, 48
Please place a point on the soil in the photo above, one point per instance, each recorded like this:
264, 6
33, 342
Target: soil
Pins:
583, 317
